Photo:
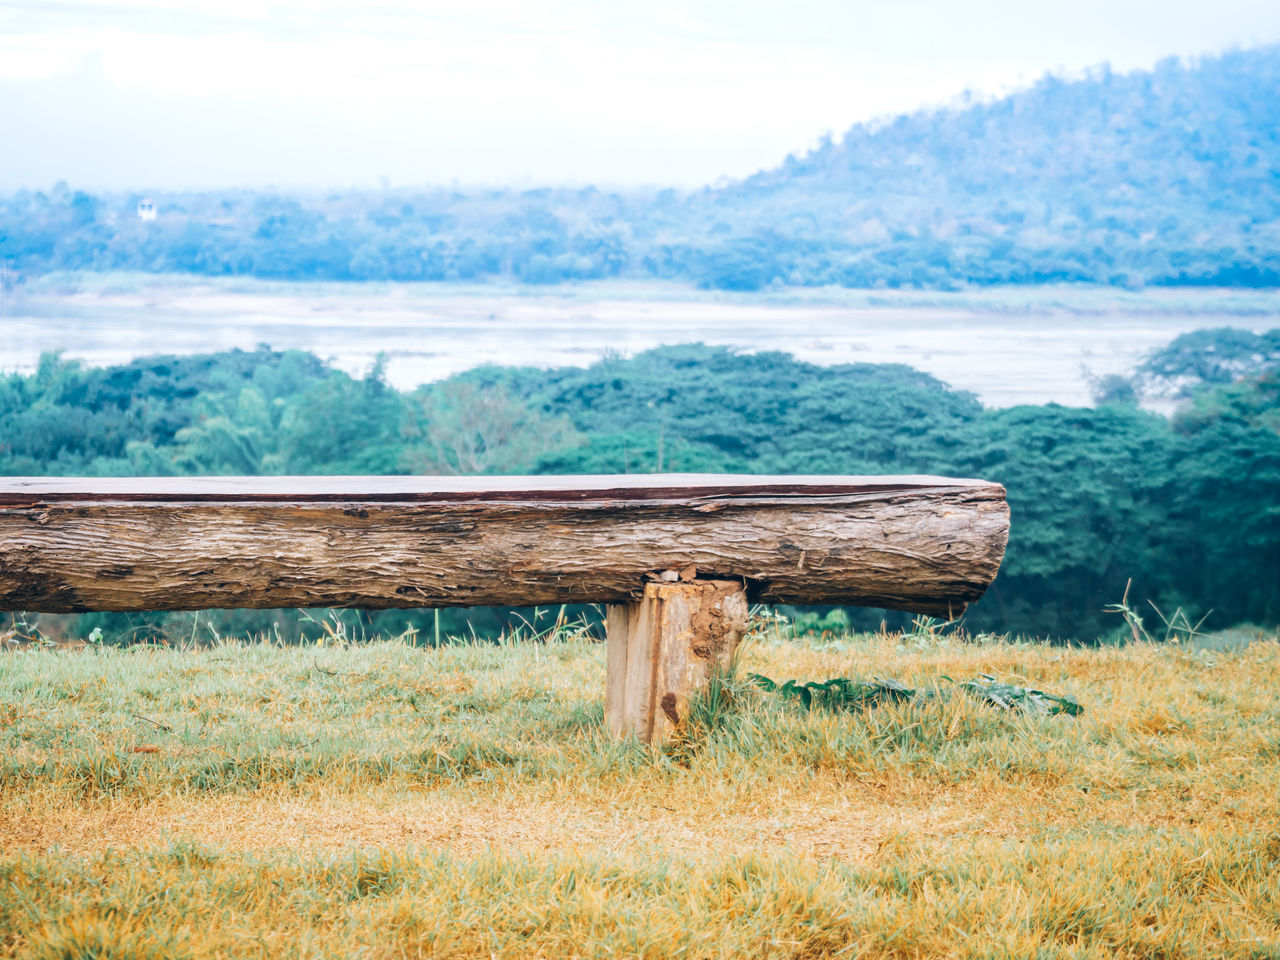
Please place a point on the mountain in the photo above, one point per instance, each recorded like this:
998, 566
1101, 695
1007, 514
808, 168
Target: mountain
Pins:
1163, 177
1168, 176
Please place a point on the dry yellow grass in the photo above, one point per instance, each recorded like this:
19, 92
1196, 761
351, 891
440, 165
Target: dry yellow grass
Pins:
386, 801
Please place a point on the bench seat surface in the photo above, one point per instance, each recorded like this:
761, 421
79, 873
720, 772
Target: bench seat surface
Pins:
29, 490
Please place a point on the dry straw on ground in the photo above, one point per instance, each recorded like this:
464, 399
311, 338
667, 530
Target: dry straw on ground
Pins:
386, 801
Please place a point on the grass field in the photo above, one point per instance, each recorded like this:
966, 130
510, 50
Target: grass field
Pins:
391, 801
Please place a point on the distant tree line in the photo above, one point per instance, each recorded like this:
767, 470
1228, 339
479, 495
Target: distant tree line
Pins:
1163, 177
1188, 508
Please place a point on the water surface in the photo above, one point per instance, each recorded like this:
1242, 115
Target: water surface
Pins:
1005, 357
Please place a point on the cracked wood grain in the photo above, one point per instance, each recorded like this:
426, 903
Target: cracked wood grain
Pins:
928, 547
662, 651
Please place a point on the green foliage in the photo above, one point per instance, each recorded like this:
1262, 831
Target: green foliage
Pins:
1090, 491
1008, 696
838, 693
847, 693
811, 623
699, 408
463, 427
1227, 479
1250, 403
1113, 390
1189, 508
343, 426
1209, 358
68, 419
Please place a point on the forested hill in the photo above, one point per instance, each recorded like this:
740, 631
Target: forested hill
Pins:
1166, 176
1170, 176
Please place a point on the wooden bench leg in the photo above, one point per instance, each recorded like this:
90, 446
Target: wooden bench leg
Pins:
662, 650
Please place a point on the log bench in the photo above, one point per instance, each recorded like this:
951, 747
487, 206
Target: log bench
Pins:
677, 558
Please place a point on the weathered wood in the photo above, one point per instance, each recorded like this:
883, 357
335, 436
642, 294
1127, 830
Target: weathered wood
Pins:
636, 486
662, 651
926, 544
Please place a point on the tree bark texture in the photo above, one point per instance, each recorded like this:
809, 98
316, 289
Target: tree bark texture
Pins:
663, 649
925, 544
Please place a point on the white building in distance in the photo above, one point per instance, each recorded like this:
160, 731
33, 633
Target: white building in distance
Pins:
146, 210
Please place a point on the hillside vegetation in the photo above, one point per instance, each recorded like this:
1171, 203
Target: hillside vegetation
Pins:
1155, 177
1189, 509
390, 801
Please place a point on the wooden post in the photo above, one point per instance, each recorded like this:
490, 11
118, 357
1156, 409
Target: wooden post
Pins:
662, 650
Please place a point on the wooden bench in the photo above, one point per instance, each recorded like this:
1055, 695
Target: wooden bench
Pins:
676, 557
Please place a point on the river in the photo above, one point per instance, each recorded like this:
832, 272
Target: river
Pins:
1033, 351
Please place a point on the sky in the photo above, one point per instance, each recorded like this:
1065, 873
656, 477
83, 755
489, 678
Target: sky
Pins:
156, 94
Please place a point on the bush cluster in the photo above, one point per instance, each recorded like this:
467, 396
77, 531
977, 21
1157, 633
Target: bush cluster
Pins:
1189, 508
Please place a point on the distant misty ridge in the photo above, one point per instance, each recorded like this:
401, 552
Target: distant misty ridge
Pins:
1163, 177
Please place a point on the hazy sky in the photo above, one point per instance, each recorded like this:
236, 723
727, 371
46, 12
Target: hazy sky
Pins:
158, 94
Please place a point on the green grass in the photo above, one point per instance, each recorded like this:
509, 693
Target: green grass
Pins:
390, 801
